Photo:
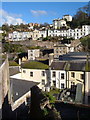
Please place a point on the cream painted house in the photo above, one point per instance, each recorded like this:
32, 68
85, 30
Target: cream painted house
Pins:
75, 77
36, 72
36, 34
75, 73
62, 49
87, 87
36, 75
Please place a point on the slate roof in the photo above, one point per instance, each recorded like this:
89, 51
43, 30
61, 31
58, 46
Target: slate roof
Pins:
71, 66
20, 87
75, 56
58, 65
77, 66
13, 70
78, 54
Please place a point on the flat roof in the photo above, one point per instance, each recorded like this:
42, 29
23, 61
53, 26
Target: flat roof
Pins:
34, 65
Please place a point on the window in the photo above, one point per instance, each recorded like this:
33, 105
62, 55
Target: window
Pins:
54, 74
31, 74
56, 48
43, 82
70, 34
72, 83
62, 85
54, 83
43, 73
82, 76
72, 74
24, 71
42, 35
64, 51
62, 75
56, 51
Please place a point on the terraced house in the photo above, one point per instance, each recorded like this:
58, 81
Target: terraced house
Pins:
60, 74
76, 33
71, 74
36, 72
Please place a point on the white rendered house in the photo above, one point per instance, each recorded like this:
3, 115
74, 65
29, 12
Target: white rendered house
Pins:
58, 75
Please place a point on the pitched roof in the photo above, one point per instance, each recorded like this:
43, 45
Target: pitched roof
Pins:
58, 65
77, 66
71, 66
13, 70
75, 56
20, 87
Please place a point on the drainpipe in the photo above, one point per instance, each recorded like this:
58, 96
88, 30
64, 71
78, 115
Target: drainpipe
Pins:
68, 79
49, 77
19, 64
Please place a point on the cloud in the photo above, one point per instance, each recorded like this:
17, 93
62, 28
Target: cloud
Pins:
15, 15
14, 19
38, 12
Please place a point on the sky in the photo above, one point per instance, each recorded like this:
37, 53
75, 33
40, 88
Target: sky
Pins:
37, 12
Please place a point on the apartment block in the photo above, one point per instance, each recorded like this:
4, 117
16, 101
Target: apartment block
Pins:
33, 54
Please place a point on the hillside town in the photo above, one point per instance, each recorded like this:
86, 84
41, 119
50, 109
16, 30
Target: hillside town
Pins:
47, 63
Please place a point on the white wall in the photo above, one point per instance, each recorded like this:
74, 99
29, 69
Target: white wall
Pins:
36, 34
87, 87
67, 17
33, 54
18, 36
58, 78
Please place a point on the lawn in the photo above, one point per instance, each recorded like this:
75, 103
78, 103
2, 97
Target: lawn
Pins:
34, 65
13, 63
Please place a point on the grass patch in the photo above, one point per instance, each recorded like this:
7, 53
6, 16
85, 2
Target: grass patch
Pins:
13, 63
34, 65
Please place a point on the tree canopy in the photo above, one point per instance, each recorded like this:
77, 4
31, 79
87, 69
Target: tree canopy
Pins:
86, 43
82, 17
